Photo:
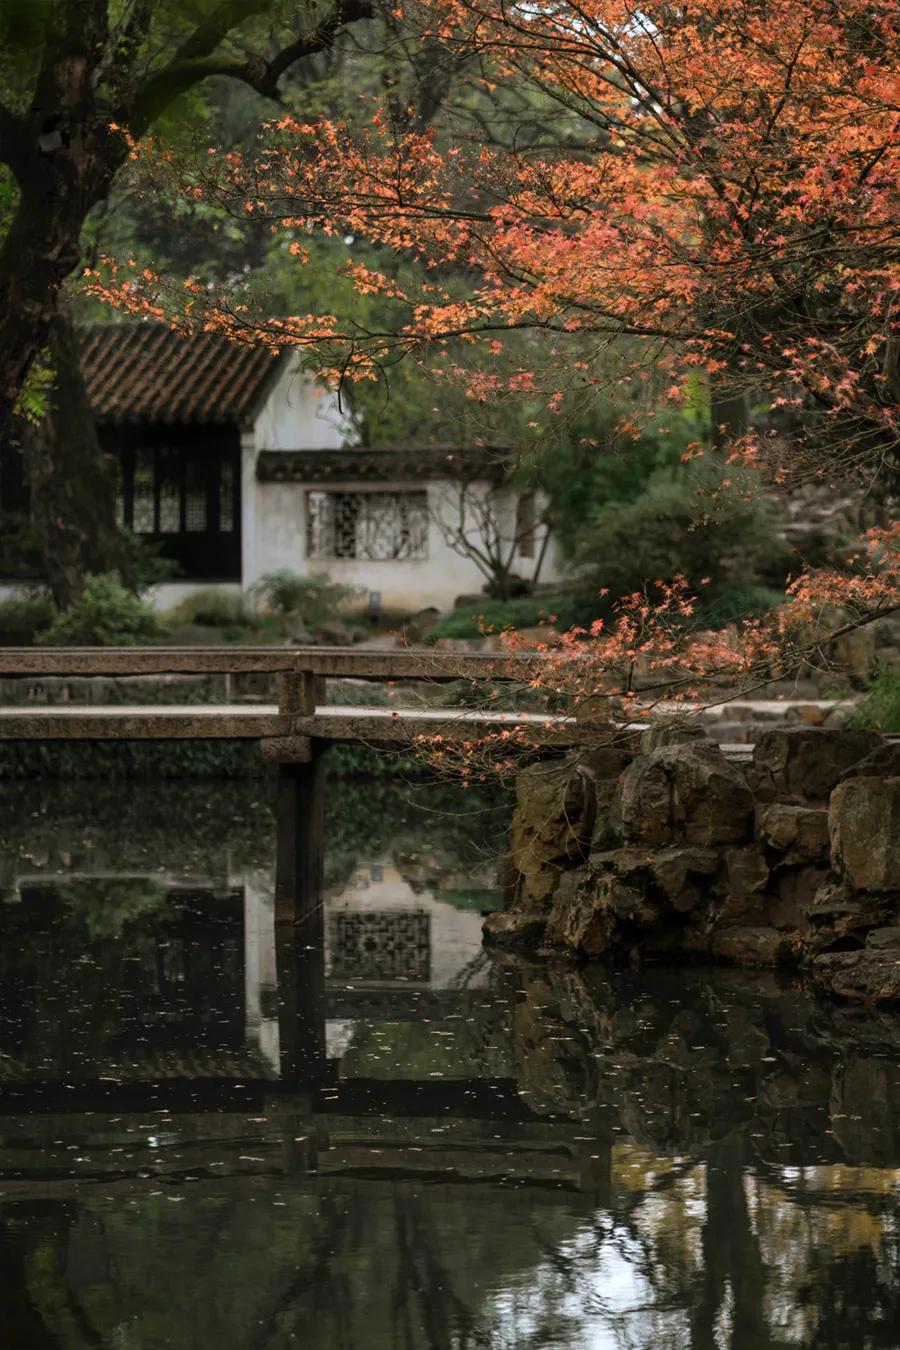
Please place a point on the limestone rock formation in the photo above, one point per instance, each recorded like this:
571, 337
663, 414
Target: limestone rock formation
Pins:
685, 793
806, 763
864, 820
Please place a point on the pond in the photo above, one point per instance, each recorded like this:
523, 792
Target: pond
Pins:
216, 1132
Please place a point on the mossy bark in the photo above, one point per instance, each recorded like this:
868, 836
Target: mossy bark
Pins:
72, 482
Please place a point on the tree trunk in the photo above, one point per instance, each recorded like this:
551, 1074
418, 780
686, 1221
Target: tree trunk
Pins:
73, 486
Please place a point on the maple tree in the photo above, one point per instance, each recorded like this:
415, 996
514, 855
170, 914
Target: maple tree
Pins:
716, 182
720, 182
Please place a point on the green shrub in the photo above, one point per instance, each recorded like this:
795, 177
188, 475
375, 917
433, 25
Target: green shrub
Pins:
685, 523
315, 599
735, 604
106, 615
23, 618
142, 566
879, 708
210, 608
495, 615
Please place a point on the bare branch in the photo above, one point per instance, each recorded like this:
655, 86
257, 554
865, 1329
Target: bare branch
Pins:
196, 60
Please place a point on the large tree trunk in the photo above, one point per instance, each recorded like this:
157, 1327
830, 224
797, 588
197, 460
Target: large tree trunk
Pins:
73, 485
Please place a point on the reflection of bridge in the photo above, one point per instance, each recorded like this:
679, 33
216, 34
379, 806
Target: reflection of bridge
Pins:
307, 1127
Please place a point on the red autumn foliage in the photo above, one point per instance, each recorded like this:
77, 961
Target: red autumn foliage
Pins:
731, 203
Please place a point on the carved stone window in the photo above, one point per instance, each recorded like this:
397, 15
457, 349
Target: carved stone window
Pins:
376, 526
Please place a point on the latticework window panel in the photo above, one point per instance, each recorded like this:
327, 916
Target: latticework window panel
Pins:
393, 945
376, 526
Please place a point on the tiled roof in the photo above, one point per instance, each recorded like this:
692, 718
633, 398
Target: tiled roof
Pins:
145, 372
421, 462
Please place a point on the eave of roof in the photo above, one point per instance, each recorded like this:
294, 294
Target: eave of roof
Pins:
147, 372
421, 463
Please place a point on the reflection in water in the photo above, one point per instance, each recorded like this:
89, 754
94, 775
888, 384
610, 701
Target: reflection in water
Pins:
370, 1133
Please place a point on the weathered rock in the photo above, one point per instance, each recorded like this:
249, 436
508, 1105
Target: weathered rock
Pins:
515, 928
883, 762
884, 938
671, 733
689, 793
864, 976
839, 916
808, 762
684, 873
798, 832
755, 945
791, 896
746, 871
545, 834
582, 918
599, 908
864, 820
601, 770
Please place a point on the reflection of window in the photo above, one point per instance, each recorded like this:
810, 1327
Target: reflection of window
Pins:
372, 525
367, 945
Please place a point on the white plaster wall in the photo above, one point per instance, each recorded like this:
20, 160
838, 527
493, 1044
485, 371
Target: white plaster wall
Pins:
275, 537
301, 415
260, 972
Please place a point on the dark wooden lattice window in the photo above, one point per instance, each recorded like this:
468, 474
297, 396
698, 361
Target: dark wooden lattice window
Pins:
180, 488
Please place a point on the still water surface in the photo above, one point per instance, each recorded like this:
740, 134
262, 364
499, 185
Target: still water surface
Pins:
213, 1135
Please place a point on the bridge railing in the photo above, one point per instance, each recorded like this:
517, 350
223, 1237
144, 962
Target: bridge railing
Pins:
301, 671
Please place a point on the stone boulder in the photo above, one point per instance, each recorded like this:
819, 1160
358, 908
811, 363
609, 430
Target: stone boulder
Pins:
684, 874
864, 821
552, 809
798, 833
883, 762
841, 918
686, 793
756, 945
808, 762
605, 905
515, 928
869, 975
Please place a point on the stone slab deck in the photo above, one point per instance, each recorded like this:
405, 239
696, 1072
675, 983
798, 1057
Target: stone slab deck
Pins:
378, 726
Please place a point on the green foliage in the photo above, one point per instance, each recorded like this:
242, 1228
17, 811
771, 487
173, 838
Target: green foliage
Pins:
597, 465
495, 615
879, 708
33, 401
685, 523
23, 619
210, 608
107, 906
107, 614
315, 599
736, 604
20, 552
142, 565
